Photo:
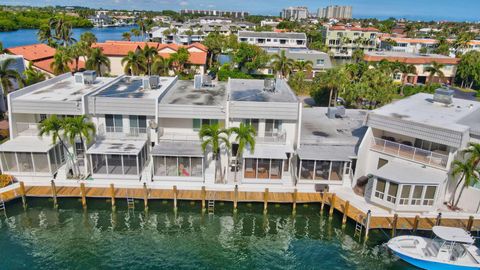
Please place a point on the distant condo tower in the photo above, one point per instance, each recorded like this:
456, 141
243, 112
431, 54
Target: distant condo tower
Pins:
335, 12
295, 13
218, 13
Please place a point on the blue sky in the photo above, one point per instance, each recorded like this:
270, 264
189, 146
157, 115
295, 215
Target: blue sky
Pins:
412, 9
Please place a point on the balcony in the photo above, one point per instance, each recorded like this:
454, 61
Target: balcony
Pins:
120, 132
272, 137
27, 129
410, 153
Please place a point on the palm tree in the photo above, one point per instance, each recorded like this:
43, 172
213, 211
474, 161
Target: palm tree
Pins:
282, 65
63, 33
136, 32
435, 69
357, 55
44, 34
134, 63
127, 36
149, 54
161, 65
80, 127
180, 59
61, 62
98, 61
334, 80
463, 41
33, 75
89, 38
8, 76
244, 136
214, 137
75, 52
469, 176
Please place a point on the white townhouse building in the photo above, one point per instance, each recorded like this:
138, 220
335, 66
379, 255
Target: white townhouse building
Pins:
274, 39
404, 159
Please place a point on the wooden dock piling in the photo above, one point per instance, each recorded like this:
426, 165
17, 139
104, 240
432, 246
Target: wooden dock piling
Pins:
265, 201
112, 196
54, 194
438, 222
394, 225
145, 196
84, 195
175, 195
367, 224
23, 194
415, 223
203, 197
235, 198
332, 205
294, 201
470, 224
324, 196
345, 212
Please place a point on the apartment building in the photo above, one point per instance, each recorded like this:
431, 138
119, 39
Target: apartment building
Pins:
421, 62
343, 40
335, 12
320, 60
405, 155
416, 45
274, 39
294, 13
219, 13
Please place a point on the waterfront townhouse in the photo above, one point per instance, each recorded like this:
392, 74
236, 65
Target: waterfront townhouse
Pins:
274, 39
404, 159
421, 62
408, 45
320, 60
343, 40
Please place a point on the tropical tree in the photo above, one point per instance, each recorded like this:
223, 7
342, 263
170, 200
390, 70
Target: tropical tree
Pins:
61, 61
463, 41
435, 69
244, 136
149, 54
8, 76
306, 66
136, 32
89, 38
44, 35
98, 61
127, 36
214, 137
334, 80
180, 59
357, 55
64, 34
80, 127
161, 65
134, 63
468, 70
215, 43
406, 69
33, 75
469, 175
250, 57
76, 51
282, 65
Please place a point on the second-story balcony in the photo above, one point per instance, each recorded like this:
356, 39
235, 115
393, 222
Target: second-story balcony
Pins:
272, 137
121, 132
408, 152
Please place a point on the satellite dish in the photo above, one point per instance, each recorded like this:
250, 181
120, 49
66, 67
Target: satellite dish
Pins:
152, 124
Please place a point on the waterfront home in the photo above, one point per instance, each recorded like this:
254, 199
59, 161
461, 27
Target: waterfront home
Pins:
407, 151
274, 39
343, 40
41, 56
116, 50
415, 45
421, 62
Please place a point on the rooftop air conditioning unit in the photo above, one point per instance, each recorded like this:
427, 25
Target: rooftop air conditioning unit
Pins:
197, 82
79, 77
443, 96
89, 76
332, 112
154, 82
146, 83
269, 85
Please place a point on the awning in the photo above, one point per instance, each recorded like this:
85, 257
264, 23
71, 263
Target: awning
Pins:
453, 234
326, 152
35, 144
117, 147
268, 151
178, 149
404, 172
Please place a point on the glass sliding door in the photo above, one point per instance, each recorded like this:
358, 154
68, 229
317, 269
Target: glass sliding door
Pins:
184, 168
276, 169
322, 170
171, 166
306, 170
263, 169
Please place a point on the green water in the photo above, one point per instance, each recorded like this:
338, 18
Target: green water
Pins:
70, 238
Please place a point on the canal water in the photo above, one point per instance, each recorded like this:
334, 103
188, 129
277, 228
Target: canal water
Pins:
71, 238
29, 36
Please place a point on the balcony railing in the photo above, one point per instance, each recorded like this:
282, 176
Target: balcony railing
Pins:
272, 137
120, 132
409, 152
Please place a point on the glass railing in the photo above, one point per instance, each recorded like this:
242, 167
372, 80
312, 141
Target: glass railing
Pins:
409, 152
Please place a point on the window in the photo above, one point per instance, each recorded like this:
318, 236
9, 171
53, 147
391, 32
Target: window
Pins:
283, 41
380, 188
322, 170
138, 124
381, 162
397, 76
337, 171
392, 192
198, 123
171, 164
43, 117
114, 123
417, 195
130, 165
307, 169
250, 168
9, 162
41, 162
252, 122
429, 195
405, 195
272, 127
320, 62
263, 168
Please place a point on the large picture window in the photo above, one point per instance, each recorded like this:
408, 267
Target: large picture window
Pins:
323, 170
263, 168
114, 123
178, 166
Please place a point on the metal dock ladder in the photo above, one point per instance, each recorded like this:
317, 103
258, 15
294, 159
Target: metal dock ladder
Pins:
2, 206
211, 203
359, 226
130, 202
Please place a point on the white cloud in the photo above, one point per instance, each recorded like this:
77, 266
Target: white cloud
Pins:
183, 3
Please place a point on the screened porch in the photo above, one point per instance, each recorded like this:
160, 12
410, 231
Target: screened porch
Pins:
178, 160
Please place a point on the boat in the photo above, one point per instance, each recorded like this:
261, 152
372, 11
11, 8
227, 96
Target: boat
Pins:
451, 249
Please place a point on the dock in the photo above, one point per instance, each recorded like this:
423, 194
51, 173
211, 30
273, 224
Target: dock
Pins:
350, 210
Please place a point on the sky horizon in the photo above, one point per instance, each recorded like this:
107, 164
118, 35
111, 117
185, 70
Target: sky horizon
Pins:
461, 10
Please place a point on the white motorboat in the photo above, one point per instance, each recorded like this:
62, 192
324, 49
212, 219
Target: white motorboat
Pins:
452, 248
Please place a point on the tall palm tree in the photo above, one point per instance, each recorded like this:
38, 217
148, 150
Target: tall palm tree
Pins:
8, 75
33, 75
136, 32
435, 69
244, 136
180, 59
214, 137
76, 51
80, 127
89, 38
281, 64
469, 176
44, 34
127, 36
357, 55
134, 63
149, 54
98, 61
334, 80
161, 65
61, 62
306, 66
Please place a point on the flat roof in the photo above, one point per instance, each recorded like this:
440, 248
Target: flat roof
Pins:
318, 129
184, 93
420, 108
178, 149
132, 87
269, 151
327, 152
34, 144
271, 35
117, 146
253, 90
405, 172
65, 90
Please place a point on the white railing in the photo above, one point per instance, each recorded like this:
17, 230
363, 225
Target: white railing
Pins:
272, 137
137, 131
168, 136
409, 152
118, 132
27, 129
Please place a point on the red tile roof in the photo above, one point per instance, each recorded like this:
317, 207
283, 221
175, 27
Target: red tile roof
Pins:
417, 60
33, 52
116, 48
45, 65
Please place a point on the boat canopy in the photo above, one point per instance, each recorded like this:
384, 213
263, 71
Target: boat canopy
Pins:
453, 234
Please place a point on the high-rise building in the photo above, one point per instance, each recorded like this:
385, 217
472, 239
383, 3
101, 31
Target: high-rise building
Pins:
335, 12
295, 13
218, 13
